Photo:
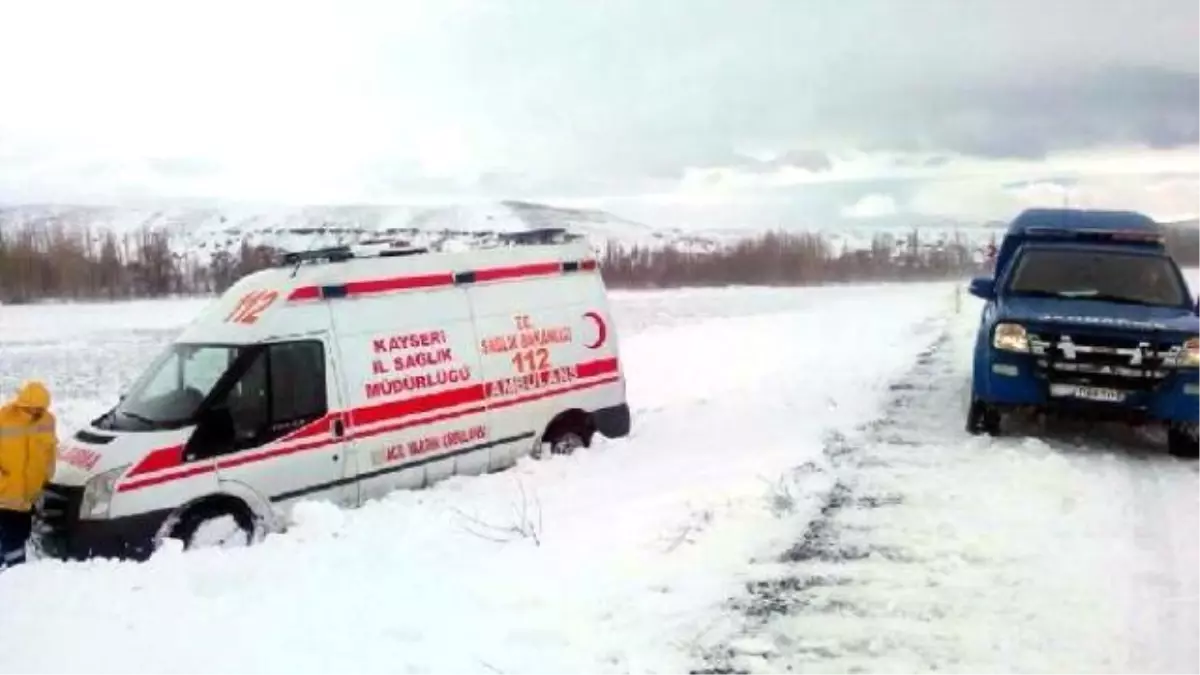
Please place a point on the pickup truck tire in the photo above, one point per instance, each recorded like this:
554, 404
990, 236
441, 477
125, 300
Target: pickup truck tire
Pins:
1182, 441
982, 418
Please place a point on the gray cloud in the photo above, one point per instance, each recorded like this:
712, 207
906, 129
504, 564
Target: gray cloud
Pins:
678, 86
575, 99
1029, 118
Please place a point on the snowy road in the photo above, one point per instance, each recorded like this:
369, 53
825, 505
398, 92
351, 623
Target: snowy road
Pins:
936, 550
798, 492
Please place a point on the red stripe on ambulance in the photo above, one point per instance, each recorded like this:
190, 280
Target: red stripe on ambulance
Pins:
415, 422
157, 460
156, 480
305, 293
518, 271
315, 428
399, 283
172, 457
410, 406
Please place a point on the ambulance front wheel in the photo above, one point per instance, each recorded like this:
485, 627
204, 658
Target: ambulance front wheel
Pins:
223, 523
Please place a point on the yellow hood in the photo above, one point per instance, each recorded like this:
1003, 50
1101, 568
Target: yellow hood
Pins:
34, 394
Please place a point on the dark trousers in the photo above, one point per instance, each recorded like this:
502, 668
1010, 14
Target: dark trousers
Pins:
15, 527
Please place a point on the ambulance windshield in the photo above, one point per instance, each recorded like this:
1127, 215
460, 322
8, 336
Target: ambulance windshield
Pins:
173, 387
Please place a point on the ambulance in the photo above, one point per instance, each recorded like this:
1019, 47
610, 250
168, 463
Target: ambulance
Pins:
342, 375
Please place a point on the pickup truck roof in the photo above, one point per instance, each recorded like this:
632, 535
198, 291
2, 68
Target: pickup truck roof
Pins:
1081, 226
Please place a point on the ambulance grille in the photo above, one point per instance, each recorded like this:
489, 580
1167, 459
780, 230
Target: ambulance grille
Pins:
58, 509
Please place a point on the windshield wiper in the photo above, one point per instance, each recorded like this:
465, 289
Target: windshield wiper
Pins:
141, 418
1089, 294
1110, 298
1038, 294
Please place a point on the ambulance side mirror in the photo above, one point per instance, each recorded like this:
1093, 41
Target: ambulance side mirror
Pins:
214, 434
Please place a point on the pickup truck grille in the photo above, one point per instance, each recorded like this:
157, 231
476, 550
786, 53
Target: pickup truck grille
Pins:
1119, 362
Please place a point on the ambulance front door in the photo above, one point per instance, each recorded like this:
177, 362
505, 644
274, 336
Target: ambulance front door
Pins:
288, 432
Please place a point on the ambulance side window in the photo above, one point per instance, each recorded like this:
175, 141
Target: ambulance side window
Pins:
248, 403
297, 384
282, 390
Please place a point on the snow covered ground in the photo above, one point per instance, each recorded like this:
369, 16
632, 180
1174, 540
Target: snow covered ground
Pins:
798, 493
640, 541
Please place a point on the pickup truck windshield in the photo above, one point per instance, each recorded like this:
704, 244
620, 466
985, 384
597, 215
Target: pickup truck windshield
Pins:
1094, 275
173, 387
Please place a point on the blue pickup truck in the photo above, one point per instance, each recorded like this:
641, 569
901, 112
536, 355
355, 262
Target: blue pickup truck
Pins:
1086, 313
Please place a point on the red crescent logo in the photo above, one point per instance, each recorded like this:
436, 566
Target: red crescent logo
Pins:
601, 330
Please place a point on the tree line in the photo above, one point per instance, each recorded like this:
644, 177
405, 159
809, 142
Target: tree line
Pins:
791, 259
41, 262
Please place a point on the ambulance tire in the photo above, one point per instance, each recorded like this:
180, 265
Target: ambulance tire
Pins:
210, 512
569, 432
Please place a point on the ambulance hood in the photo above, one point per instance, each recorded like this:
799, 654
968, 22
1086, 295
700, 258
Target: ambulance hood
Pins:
92, 451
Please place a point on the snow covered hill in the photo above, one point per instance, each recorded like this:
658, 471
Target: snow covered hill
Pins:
200, 232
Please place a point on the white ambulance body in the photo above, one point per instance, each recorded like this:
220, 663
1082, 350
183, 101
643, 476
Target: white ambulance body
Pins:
342, 377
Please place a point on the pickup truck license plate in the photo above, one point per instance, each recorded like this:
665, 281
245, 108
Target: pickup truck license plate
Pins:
1088, 393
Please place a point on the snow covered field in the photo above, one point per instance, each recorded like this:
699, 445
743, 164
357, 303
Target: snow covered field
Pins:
615, 583
798, 493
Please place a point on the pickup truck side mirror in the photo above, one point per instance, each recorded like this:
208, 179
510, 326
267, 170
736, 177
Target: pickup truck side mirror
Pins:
983, 287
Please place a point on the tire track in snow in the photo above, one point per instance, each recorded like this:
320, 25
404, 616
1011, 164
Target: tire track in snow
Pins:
937, 550
813, 562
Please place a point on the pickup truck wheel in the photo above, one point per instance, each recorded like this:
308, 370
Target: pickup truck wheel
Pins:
1182, 441
983, 418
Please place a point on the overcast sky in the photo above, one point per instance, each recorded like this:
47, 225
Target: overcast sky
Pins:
668, 110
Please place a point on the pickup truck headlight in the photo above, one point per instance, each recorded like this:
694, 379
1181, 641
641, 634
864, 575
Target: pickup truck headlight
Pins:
1189, 357
98, 492
1011, 337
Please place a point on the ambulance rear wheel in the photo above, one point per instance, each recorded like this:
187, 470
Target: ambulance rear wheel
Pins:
568, 433
567, 443
215, 524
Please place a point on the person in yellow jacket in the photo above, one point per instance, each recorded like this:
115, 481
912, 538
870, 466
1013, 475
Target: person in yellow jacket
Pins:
28, 445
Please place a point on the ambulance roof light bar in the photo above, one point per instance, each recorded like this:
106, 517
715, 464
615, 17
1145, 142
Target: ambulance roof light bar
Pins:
329, 254
396, 247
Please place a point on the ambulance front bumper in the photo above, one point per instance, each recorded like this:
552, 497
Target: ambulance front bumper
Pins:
58, 532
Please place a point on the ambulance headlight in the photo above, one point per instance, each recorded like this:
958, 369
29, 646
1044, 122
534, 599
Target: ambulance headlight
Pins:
98, 493
1011, 337
1189, 356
